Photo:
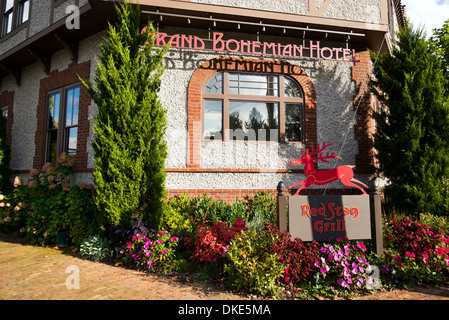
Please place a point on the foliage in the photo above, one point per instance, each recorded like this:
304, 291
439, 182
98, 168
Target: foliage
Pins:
96, 248
440, 41
120, 234
155, 254
296, 254
342, 266
177, 215
12, 219
210, 242
435, 223
412, 137
188, 214
5, 157
415, 252
129, 146
49, 204
252, 266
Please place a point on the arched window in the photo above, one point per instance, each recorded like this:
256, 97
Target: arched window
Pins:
254, 107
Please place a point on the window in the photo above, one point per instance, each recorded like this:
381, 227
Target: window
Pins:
5, 112
8, 16
253, 107
62, 122
14, 13
24, 10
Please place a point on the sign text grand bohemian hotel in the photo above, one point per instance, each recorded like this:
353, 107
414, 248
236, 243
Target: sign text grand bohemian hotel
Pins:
257, 48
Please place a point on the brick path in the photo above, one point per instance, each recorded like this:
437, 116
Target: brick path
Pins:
38, 273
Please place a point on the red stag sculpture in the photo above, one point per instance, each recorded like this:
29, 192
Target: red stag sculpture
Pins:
343, 173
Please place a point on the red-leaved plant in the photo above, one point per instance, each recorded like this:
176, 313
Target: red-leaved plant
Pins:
296, 254
211, 243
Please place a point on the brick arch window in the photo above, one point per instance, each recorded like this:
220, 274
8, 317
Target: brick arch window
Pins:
228, 85
253, 106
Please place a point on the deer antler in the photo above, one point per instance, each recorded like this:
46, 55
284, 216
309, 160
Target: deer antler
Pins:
327, 156
318, 149
320, 152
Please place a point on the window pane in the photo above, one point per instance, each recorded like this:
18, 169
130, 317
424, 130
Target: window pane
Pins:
52, 137
69, 105
253, 120
292, 88
215, 85
53, 111
7, 23
72, 106
213, 119
9, 5
24, 9
260, 85
72, 140
293, 122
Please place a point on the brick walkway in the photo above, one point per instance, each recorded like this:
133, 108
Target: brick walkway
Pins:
38, 273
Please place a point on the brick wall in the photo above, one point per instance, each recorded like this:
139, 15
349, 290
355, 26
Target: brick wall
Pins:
58, 79
364, 126
7, 100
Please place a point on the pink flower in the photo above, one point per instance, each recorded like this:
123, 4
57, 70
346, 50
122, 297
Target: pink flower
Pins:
173, 239
129, 245
361, 245
164, 251
161, 233
425, 255
149, 262
445, 240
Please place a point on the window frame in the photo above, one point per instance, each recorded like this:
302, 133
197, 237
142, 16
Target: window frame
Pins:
226, 97
62, 136
15, 13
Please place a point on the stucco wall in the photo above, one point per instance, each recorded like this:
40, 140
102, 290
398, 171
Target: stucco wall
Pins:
352, 10
335, 92
332, 81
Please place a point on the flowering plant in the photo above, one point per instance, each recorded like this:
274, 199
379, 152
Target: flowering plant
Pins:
414, 251
155, 254
343, 265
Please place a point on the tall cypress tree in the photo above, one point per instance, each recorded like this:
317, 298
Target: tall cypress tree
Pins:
412, 138
130, 149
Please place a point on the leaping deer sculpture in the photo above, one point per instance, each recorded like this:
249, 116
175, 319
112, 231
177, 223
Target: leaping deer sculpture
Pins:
343, 173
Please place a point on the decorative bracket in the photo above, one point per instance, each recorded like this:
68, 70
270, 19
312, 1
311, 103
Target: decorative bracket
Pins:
14, 71
70, 45
43, 58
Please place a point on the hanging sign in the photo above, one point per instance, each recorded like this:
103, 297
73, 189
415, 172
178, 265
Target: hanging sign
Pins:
329, 217
314, 177
219, 43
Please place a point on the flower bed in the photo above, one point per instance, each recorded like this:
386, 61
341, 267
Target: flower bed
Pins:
236, 245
